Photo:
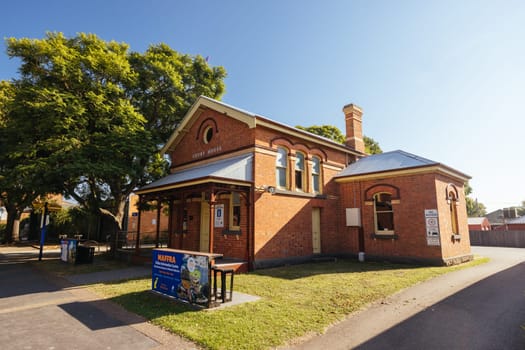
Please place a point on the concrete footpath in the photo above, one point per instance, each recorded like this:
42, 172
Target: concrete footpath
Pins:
391, 323
39, 311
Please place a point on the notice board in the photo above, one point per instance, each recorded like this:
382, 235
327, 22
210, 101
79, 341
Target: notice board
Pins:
184, 276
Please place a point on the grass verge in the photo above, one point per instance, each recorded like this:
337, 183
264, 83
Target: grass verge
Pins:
295, 301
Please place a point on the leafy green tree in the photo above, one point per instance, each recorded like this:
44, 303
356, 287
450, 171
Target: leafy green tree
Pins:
474, 208
16, 190
333, 133
329, 131
89, 116
371, 146
521, 210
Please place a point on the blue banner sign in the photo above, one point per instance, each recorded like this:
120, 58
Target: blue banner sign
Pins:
181, 276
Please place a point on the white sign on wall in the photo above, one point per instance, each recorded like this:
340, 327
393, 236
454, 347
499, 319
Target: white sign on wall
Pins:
219, 215
432, 226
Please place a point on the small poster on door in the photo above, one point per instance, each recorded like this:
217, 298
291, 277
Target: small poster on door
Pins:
219, 215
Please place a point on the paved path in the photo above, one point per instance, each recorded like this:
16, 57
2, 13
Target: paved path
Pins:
478, 308
38, 311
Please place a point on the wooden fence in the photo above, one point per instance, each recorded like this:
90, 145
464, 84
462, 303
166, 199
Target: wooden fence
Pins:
498, 238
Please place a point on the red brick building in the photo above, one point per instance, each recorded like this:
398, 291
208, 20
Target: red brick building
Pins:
411, 208
266, 193
478, 224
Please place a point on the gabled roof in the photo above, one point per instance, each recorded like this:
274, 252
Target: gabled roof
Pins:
232, 170
395, 163
251, 120
495, 217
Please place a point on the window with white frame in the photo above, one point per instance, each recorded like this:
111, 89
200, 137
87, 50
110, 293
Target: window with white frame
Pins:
299, 172
384, 215
316, 175
281, 168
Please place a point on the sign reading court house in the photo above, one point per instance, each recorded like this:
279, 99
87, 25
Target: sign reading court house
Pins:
183, 275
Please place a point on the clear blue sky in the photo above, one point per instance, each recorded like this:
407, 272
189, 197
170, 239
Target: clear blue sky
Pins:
442, 79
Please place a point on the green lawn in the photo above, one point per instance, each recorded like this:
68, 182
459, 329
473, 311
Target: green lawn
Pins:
295, 301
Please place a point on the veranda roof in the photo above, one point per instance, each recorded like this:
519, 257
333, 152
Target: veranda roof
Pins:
235, 169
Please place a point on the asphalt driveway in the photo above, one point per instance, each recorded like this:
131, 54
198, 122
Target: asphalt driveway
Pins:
477, 308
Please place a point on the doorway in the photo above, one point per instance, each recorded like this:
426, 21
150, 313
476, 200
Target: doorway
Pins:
316, 230
204, 245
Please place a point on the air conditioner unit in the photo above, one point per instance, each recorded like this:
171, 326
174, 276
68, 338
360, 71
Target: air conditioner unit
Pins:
353, 217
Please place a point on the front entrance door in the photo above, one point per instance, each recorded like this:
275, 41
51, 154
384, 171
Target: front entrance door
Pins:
316, 230
205, 227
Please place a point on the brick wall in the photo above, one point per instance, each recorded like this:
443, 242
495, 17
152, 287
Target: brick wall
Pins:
283, 221
229, 135
415, 194
452, 247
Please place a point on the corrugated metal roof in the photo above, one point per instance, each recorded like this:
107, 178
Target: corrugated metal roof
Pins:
476, 221
388, 161
519, 220
236, 168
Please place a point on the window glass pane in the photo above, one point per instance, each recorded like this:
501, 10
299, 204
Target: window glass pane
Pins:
383, 202
383, 212
453, 213
385, 221
299, 161
281, 157
315, 166
236, 209
281, 177
315, 183
236, 215
299, 179
236, 198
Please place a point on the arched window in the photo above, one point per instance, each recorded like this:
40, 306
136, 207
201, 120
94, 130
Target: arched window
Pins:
316, 175
281, 167
384, 215
299, 172
453, 200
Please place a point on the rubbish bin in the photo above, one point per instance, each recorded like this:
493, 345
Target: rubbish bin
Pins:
84, 254
68, 248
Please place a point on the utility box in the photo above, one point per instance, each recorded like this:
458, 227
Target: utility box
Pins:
353, 217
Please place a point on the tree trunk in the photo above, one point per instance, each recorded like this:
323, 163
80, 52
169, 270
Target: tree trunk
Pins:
12, 220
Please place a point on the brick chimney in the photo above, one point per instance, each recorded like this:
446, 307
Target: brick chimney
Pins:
354, 127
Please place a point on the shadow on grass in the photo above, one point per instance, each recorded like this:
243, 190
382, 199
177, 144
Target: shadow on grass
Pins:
151, 305
292, 272
101, 262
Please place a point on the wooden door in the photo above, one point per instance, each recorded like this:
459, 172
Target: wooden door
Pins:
316, 230
205, 227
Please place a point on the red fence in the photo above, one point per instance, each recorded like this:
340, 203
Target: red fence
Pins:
514, 239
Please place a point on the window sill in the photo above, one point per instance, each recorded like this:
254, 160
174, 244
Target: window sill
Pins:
298, 194
456, 237
231, 232
386, 236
